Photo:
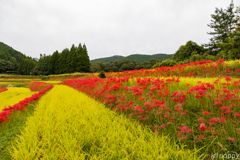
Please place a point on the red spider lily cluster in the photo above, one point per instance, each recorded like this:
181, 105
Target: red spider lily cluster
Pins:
197, 113
37, 86
3, 90
193, 69
21, 105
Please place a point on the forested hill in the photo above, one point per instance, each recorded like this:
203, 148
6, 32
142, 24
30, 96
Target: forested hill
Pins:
135, 57
9, 58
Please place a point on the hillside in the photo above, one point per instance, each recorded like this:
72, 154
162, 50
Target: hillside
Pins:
135, 57
9, 58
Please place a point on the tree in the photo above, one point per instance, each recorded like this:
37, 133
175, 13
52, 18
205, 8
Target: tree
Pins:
185, 51
231, 46
53, 63
223, 22
62, 61
83, 59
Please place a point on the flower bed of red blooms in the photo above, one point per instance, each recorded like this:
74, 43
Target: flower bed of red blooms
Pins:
199, 115
201, 69
21, 105
3, 90
36, 86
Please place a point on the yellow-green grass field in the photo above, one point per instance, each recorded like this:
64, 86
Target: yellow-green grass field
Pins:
14, 95
68, 124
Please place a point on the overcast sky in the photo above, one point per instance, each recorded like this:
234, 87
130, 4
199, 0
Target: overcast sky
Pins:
107, 27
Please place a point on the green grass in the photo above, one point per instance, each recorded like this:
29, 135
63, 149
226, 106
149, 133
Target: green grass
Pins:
10, 130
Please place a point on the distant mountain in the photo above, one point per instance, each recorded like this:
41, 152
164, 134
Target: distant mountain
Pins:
135, 57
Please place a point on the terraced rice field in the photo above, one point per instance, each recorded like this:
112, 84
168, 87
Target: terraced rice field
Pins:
188, 111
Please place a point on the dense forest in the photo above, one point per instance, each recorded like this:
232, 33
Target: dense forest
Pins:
8, 58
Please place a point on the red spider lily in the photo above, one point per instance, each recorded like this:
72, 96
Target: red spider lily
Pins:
237, 114
201, 120
202, 127
206, 113
3, 90
163, 126
213, 121
228, 78
183, 138
215, 133
138, 108
231, 139
179, 135
222, 120
189, 131
183, 128
141, 98
185, 112
201, 137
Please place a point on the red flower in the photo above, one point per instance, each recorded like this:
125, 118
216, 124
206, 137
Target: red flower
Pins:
201, 137
163, 126
215, 133
231, 139
238, 114
202, 127
201, 120
206, 113
179, 135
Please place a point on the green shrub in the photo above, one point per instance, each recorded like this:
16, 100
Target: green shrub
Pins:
102, 74
168, 63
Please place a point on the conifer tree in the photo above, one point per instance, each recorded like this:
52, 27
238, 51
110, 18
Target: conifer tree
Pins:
53, 63
223, 22
70, 60
79, 58
231, 46
85, 60
62, 61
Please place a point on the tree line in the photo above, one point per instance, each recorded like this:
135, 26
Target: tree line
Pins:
224, 43
68, 61
123, 65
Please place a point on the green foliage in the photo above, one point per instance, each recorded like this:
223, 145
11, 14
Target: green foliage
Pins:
26, 65
53, 63
231, 46
102, 74
9, 58
135, 57
168, 63
10, 130
223, 22
75, 60
97, 67
186, 51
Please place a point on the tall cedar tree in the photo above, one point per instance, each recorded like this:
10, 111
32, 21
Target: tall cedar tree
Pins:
53, 63
223, 22
62, 61
85, 60
79, 57
71, 63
